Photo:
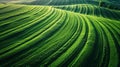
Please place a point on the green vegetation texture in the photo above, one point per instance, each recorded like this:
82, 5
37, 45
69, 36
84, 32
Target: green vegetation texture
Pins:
78, 35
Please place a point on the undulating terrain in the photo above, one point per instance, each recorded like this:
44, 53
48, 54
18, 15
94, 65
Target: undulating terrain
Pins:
60, 33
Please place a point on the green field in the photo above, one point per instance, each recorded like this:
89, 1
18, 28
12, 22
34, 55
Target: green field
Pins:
60, 33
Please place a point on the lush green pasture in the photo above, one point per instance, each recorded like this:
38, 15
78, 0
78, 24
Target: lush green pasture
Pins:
81, 35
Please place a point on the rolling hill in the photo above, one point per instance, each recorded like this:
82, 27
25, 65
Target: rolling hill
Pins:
59, 34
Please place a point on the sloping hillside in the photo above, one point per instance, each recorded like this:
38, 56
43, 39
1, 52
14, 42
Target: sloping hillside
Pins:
59, 36
64, 2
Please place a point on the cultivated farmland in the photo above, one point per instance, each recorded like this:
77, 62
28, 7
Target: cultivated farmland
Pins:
55, 33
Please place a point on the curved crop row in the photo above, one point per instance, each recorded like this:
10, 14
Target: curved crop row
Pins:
51, 37
70, 2
61, 2
94, 10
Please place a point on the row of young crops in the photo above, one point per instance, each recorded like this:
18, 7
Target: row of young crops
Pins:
69, 2
48, 36
62, 2
94, 10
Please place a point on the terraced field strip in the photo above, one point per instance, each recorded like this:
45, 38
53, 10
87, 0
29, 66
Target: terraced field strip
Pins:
63, 2
21, 28
52, 37
89, 9
14, 20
